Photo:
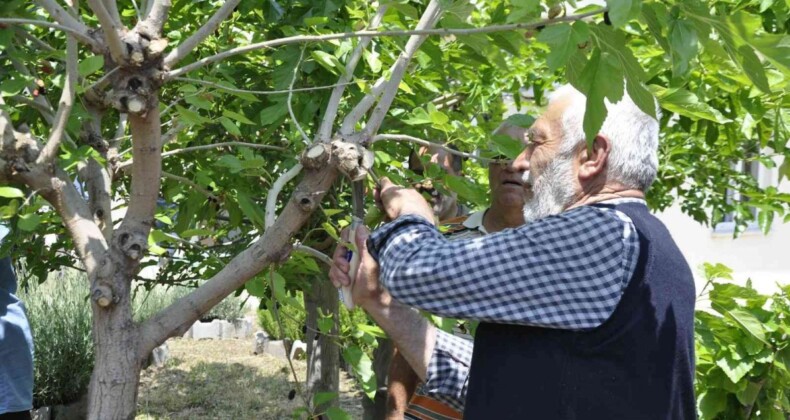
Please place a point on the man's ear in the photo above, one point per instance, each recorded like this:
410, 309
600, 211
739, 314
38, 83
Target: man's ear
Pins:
593, 162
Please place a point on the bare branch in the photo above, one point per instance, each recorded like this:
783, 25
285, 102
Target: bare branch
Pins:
325, 131
123, 165
112, 10
156, 16
426, 143
290, 96
78, 33
66, 102
297, 39
272, 247
191, 183
362, 107
112, 31
184, 48
260, 92
274, 191
428, 20
178, 127
320, 256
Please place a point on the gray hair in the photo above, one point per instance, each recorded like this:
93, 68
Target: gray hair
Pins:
633, 159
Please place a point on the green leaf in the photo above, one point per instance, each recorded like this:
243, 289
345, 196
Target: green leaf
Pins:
90, 65
237, 117
601, 78
328, 61
230, 126
508, 146
563, 39
753, 68
466, 189
28, 222
764, 219
256, 287
748, 395
621, 11
362, 367
520, 120
746, 321
687, 104
250, 209
12, 87
273, 115
11, 192
734, 369
191, 117
684, 45
325, 324
712, 402
321, 398
335, 413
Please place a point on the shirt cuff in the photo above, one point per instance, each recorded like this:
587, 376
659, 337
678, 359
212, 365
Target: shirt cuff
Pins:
448, 369
379, 239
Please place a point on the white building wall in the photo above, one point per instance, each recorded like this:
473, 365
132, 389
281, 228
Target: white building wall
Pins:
763, 258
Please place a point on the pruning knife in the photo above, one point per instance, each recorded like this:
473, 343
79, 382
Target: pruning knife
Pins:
358, 210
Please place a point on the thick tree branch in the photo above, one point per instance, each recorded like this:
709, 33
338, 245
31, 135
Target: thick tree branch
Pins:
146, 178
65, 104
272, 247
426, 143
80, 34
274, 192
325, 131
184, 48
297, 39
113, 31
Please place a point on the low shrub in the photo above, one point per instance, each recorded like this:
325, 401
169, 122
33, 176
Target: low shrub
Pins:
60, 318
743, 351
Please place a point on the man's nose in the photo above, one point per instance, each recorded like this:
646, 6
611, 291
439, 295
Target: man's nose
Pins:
521, 162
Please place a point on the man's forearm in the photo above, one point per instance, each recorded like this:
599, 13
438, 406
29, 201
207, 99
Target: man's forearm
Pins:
413, 335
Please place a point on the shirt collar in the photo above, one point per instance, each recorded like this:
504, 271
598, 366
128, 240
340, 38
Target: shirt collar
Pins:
475, 221
623, 200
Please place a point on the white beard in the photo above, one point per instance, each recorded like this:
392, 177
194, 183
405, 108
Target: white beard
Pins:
552, 191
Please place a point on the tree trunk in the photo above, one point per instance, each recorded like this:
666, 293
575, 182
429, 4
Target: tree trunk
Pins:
323, 354
113, 387
382, 356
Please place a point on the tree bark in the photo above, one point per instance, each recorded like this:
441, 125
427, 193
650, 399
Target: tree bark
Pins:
382, 356
113, 387
323, 354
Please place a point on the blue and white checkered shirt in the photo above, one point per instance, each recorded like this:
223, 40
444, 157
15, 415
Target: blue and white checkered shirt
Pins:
566, 271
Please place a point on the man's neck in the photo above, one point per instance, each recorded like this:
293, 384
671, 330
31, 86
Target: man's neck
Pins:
496, 218
608, 192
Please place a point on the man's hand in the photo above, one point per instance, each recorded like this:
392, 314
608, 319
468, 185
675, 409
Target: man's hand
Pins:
366, 290
397, 201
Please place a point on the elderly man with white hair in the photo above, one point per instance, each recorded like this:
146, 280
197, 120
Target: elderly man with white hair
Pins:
586, 311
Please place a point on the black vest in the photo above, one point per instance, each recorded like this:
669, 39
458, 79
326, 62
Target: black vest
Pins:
639, 364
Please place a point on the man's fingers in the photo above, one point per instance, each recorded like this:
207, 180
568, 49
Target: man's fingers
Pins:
338, 277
